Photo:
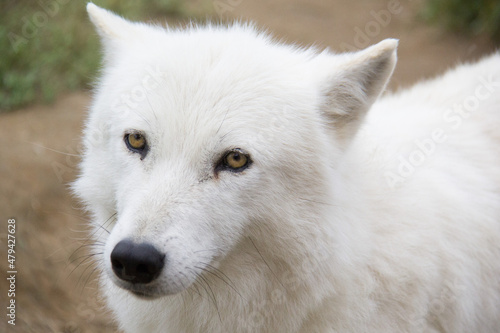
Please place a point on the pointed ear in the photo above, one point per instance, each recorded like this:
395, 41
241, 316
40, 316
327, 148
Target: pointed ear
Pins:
355, 83
109, 25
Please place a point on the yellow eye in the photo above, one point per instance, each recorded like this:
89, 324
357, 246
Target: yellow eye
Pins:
136, 141
235, 160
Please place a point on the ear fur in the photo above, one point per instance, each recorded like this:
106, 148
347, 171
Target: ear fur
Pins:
109, 25
355, 84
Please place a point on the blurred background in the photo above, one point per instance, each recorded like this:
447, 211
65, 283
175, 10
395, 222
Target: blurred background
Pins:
49, 57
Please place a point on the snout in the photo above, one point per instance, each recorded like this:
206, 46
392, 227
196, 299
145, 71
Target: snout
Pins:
136, 263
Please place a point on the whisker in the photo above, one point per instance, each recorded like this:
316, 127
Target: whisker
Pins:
85, 243
89, 276
89, 237
152, 108
81, 276
213, 295
195, 285
219, 277
266, 263
318, 202
222, 122
54, 150
206, 290
86, 260
88, 256
207, 250
184, 275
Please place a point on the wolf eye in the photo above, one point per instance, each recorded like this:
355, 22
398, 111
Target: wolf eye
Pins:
136, 143
235, 160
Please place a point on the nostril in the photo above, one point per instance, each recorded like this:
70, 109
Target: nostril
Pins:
142, 269
116, 264
136, 263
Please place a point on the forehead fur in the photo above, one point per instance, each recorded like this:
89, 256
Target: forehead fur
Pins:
221, 56
211, 79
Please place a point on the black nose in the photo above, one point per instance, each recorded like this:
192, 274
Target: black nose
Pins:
136, 263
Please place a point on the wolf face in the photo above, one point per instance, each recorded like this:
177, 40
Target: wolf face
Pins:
200, 139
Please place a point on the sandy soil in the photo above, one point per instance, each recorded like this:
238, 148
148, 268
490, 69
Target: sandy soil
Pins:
56, 294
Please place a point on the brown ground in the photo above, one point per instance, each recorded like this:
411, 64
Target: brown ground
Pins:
34, 176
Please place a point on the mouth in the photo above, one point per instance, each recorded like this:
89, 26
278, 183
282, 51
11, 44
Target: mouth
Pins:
145, 292
144, 296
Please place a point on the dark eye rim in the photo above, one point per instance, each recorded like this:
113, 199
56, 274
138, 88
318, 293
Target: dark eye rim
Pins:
141, 151
222, 165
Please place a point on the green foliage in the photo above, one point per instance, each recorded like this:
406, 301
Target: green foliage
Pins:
49, 46
472, 17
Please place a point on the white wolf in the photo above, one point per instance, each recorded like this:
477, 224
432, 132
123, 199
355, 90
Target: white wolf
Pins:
246, 187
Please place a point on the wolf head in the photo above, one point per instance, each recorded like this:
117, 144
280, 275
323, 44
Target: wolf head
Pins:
200, 138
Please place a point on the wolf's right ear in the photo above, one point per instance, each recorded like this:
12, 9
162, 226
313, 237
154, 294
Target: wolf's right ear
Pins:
353, 83
110, 26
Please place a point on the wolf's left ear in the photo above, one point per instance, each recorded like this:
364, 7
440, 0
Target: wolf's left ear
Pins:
109, 25
354, 84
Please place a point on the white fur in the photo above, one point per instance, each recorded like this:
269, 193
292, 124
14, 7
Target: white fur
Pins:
321, 233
